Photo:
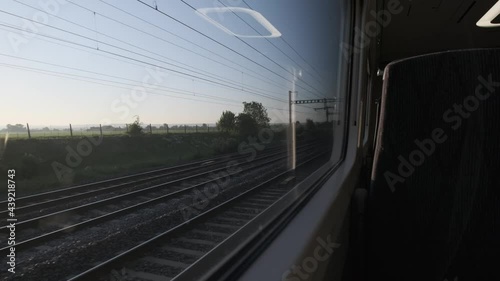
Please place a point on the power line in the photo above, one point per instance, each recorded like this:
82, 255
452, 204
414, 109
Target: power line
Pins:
121, 41
111, 53
262, 54
267, 39
223, 45
135, 46
263, 77
92, 51
117, 77
291, 47
140, 61
176, 90
88, 80
61, 74
104, 81
136, 53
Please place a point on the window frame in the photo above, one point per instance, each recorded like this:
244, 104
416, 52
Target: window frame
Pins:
242, 250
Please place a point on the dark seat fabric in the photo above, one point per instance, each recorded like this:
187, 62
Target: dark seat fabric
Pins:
434, 202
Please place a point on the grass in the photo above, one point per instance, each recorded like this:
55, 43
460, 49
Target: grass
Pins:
85, 133
33, 159
117, 155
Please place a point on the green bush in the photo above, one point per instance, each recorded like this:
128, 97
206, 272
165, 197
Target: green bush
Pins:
135, 129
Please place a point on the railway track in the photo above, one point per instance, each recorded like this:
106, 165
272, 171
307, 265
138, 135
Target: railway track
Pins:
66, 229
171, 253
37, 230
81, 198
47, 201
47, 227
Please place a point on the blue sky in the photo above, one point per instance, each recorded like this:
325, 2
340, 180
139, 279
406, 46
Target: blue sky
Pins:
166, 75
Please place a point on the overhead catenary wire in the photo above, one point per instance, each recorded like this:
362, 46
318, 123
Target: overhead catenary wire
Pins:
105, 81
150, 64
139, 83
177, 36
227, 47
262, 77
293, 49
111, 53
234, 86
89, 50
116, 77
269, 41
266, 56
199, 71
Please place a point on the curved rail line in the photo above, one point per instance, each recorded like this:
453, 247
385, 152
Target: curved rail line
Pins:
130, 201
45, 199
168, 254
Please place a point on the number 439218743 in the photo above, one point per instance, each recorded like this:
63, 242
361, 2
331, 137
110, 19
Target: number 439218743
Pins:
11, 174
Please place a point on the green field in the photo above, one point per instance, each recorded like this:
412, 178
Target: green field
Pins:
47, 161
33, 159
37, 134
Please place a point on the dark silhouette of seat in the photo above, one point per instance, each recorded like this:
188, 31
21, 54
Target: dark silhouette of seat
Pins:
434, 200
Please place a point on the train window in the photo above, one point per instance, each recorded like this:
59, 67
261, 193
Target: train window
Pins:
136, 136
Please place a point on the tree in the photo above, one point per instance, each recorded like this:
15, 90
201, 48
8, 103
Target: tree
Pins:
310, 125
246, 124
16, 128
107, 128
135, 128
299, 128
227, 122
258, 112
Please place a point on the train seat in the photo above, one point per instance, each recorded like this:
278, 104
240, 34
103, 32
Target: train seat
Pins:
434, 199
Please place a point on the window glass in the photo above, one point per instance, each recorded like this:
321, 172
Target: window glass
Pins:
141, 99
